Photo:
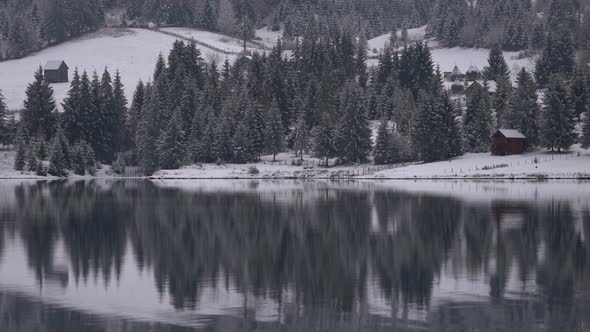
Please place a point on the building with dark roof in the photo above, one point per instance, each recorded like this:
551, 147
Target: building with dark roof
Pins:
56, 71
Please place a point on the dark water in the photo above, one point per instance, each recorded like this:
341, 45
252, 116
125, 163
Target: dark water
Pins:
294, 256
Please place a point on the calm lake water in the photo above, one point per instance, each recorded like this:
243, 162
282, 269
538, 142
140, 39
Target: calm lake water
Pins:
294, 256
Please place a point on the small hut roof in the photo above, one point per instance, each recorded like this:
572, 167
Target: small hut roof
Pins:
54, 64
511, 133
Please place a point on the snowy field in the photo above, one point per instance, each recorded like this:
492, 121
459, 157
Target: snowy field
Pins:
219, 41
132, 51
575, 164
448, 58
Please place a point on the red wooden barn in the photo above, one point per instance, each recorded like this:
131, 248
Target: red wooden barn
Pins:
508, 141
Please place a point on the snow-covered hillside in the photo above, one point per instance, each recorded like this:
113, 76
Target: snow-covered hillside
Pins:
132, 51
448, 58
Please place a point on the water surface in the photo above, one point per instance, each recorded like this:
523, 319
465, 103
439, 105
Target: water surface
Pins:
294, 256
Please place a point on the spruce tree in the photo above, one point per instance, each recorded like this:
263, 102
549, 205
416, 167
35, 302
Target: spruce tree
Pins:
579, 91
477, 123
147, 135
59, 160
32, 156
39, 116
20, 160
109, 123
172, 144
274, 131
497, 68
301, 137
78, 155
586, 131
353, 135
323, 141
72, 105
120, 133
160, 67
428, 134
557, 128
381, 153
255, 121
208, 19
134, 114
523, 111
453, 135
4, 127
241, 145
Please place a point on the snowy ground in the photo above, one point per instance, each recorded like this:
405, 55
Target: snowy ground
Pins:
575, 164
132, 51
377, 43
223, 42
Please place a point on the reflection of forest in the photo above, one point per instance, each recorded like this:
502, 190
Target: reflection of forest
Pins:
327, 253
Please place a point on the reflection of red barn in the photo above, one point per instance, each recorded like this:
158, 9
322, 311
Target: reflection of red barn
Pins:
508, 141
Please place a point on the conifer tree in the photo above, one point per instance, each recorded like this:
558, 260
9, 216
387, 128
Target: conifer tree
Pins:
477, 123
360, 62
107, 98
120, 133
90, 158
586, 131
72, 116
32, 156
78, 155
275, 133
427, 134
523, 111
172, 144
453, 136
255, 121
20, 160
208, 19
59, 160
497, 68
160, 67
241, 145
134, 114
579, 91
4, 127
148, 134
323, 141
557, 118
301, 137
501, 101
39, 115
381, 154
353, 135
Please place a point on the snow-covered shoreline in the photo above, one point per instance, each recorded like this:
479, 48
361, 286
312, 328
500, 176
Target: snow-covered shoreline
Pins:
538, 165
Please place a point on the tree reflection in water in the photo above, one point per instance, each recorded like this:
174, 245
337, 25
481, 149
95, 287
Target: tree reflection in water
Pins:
326, 255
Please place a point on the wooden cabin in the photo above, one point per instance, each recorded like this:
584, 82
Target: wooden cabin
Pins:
473, 87
507, 142
56, 71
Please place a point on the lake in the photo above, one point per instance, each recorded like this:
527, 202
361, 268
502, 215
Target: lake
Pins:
135, 255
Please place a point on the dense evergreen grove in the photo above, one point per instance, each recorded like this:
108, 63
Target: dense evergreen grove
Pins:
28, 25
317, 100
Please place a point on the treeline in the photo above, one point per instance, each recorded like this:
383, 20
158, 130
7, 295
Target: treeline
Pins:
30, 25
318, 100
515, 24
